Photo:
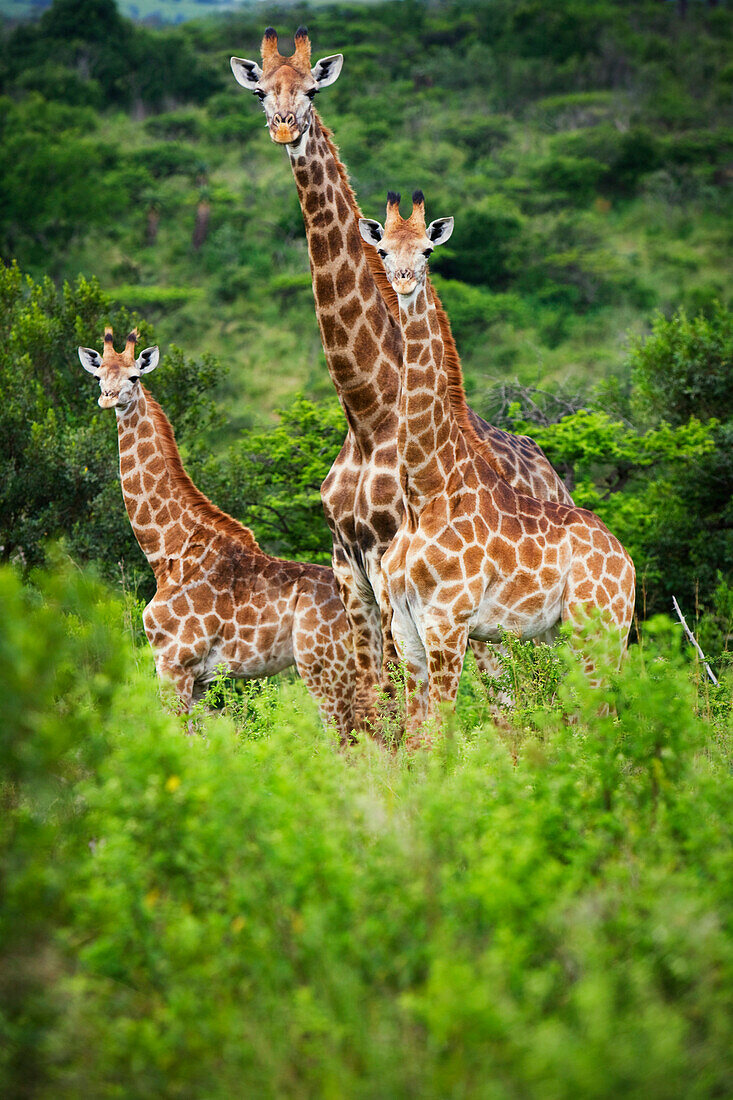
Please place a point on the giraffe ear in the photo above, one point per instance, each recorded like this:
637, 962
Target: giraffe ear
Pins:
440, 230
326, 71
371, 231
247, 73
91, 360
148, 360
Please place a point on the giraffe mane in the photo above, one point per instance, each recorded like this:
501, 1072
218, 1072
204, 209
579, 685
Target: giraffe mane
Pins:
205, 510
452, 360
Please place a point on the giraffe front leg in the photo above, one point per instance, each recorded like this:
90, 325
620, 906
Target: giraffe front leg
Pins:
182, 680
414, 663
160, 632
390, 659
489, 662
445, 643
363, 616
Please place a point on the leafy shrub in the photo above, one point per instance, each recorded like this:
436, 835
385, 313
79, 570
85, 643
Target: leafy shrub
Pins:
575, 111
480, 136
575, 179
127, 63
685, 367
41, 209
483, 245
627, 155
175, 126
263, 915
63, 659
473, 309
167, 159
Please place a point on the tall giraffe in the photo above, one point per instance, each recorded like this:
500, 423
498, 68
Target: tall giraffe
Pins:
472, 556
220, 599
357, 314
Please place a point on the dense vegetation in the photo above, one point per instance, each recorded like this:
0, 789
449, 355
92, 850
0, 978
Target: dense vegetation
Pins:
252, 913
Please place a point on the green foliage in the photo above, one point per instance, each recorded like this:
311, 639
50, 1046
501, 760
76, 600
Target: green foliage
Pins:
252, 912
597, 160
89, 39
274, 479
482, 245
684, 368
571, 179
42, 209
63, 661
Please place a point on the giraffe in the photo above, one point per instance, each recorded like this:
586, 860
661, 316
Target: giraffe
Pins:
472, 555
357, 313
220, 599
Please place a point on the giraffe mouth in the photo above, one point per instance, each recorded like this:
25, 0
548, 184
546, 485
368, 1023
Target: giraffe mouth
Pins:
405, 285
285, 134
108, 400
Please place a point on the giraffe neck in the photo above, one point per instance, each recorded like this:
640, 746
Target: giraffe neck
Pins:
360, 336
166, 509
430, 442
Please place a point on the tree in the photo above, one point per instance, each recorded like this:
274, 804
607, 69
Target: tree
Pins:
685, 367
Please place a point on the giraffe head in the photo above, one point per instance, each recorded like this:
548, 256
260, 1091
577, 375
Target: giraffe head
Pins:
405, 243
118, 371
286, 85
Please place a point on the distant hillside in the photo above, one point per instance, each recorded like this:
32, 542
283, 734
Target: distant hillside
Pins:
584, 149
148, 11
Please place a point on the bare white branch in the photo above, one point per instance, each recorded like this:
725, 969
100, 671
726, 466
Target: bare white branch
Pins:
693, 639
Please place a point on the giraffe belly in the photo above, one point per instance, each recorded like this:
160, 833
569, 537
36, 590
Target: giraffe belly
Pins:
262, 648
527, 618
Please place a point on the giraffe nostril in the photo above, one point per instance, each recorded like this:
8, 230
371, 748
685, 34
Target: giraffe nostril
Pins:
290, 120
277, 118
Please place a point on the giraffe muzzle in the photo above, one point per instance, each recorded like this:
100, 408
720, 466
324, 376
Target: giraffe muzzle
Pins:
284, 129
404, 282
108, 400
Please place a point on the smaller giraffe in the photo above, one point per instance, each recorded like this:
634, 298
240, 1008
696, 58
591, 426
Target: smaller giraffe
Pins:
220, 599
472, 556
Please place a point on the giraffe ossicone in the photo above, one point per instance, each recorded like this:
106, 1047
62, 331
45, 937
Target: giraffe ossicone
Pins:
473, 557
220, 600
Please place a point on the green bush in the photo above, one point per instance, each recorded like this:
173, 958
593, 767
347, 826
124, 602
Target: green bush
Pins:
574, 179
685, 367
167, 159
627, 155
263, 915
483, 245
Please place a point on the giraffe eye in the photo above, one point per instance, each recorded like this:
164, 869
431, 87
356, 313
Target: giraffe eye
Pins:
259, 93
381, 252
134, 378
427, 251
311, 92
